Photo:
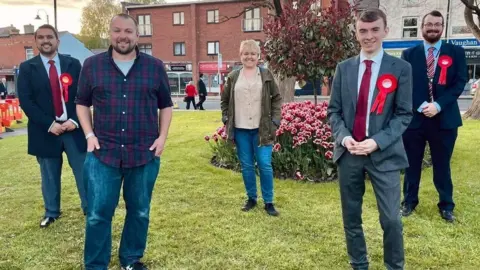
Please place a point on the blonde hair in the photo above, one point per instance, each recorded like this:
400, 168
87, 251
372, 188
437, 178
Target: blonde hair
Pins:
249, 44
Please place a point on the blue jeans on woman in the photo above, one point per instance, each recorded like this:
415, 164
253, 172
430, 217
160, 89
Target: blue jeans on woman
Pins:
248, 152
103, 191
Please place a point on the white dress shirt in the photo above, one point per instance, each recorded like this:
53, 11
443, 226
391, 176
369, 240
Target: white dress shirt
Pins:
377, 61
64, 116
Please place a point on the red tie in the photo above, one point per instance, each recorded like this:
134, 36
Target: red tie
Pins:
360, 124
430, 71
55, 84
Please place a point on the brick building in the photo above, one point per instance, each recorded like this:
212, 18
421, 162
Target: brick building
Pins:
187, 37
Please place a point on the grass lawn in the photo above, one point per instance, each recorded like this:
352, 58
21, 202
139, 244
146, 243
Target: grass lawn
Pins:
196, 222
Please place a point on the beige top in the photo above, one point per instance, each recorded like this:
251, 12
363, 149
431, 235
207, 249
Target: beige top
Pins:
248, 101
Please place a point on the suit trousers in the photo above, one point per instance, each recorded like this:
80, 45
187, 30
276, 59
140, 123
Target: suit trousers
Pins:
51, 171
442, 143
386, 185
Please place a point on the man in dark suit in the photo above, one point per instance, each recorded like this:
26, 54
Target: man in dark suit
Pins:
48, 102
3, 89
436, 113
202, 92
368, 138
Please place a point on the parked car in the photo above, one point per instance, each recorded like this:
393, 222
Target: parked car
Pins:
472, 85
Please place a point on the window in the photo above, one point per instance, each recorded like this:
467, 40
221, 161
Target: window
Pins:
212, 16
213, 47
28, 53
144, 25
410, 27
145, 48
179, 48
252, 21
178, 18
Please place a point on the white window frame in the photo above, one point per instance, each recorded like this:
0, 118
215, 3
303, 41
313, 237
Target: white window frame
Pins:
182, 49
29, 53
213, 47
216, 16
410, 27
179, 18
252, 21
144, 25
145, 48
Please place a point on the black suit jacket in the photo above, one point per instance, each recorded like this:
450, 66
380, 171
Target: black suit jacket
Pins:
201, 87
35, 96
445, 95
3, 91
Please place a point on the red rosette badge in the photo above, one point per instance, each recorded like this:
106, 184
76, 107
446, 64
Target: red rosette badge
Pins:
387, 84
66, 80
444, 62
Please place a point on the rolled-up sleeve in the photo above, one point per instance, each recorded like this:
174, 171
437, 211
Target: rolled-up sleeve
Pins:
85, 90
164, 99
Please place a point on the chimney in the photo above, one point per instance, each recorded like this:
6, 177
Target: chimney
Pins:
29, 29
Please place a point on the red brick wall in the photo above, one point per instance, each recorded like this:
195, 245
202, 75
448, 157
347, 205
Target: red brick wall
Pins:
12, 49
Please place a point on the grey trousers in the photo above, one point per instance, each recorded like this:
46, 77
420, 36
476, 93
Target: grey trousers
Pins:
386, 186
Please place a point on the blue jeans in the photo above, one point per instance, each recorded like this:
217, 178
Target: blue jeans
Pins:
248, 151
51, 172
103, 190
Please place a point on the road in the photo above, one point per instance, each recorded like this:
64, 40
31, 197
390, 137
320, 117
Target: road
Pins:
213, 103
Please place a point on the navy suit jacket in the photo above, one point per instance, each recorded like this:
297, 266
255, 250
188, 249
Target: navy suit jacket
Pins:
35, 95
445, 95
3, 91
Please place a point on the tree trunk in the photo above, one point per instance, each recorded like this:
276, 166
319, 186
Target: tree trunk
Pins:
314, 91
286, 88
474, 111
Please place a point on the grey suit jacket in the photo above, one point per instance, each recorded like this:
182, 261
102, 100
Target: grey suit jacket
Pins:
385, 129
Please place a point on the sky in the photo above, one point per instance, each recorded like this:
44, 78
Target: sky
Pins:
22, 12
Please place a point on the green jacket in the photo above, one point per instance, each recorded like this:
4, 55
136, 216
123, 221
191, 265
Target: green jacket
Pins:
271, 106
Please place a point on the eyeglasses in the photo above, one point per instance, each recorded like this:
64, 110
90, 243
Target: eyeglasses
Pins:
432, 25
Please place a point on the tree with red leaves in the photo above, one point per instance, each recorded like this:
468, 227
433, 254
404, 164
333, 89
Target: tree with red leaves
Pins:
307, 42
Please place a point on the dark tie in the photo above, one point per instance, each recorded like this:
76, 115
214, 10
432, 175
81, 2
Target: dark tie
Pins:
55, 84
360, 124
430, 71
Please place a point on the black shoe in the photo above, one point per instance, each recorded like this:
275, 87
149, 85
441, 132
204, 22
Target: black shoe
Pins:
46, 221
447, 215
271, 209
249, 204
407, 210
135, 266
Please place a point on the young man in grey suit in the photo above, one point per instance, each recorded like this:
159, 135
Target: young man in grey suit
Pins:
370, 108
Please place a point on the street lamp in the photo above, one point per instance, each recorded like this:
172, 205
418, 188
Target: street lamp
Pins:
38, 16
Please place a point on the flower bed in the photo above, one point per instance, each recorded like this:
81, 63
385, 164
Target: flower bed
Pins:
303, 148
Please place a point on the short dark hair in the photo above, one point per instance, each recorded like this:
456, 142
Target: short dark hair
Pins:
201, 75
372, 15
434, 13
125, 16
47, 26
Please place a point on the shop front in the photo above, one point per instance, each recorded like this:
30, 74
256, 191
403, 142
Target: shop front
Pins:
179, 74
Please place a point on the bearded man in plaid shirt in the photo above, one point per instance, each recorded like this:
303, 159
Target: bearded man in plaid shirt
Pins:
126, 88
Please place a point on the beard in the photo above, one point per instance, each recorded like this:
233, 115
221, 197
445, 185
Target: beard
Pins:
124, 51
432, 39
47, 52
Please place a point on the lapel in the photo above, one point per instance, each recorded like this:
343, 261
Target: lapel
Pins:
385, 66
443, 51
420, 54
40, 73
64, 64
353, 80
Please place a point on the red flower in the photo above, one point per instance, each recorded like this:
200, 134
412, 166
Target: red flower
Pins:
207, 138
224, 135
328, 134
215, 137
324, 138
329, 154
294, 131
298, 175
277, 147
317, 141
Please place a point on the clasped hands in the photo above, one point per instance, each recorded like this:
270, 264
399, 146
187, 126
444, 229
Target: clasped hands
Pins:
429, 110
362, 148
59, 129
